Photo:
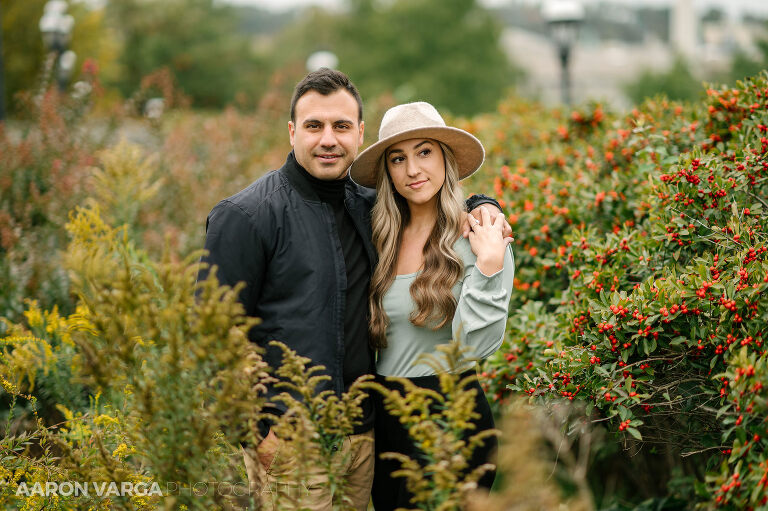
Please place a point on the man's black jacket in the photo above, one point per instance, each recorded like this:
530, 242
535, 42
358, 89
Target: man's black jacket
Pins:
278, 238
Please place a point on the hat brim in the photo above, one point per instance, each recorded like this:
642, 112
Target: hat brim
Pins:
466, 148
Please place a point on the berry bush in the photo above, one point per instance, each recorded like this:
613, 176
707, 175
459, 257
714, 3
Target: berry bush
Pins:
641, 244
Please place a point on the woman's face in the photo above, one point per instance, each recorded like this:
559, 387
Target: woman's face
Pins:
417, 169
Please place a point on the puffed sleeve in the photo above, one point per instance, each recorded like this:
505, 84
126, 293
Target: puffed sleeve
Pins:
481, 313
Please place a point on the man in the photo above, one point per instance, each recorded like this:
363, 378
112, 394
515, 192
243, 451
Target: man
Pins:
300, 239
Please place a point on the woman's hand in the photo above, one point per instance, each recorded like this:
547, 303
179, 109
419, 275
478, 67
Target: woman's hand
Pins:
487, 241
467, 221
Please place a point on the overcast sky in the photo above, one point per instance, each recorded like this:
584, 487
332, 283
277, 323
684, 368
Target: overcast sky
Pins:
733, 7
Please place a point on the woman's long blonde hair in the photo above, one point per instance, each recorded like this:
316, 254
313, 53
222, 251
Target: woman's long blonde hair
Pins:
432, 289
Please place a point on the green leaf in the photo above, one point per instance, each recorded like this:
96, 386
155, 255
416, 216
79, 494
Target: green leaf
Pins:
722, 410
677, 341
635, 433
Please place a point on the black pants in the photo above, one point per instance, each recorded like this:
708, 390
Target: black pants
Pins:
390, 492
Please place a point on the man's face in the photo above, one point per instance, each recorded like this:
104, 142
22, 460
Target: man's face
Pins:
326, 134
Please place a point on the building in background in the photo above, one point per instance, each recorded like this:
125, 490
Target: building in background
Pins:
619, 41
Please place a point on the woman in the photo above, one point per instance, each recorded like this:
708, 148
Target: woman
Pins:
430, 285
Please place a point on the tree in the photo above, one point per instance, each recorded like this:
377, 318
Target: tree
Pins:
677, 84
446, 52
196, 39
22, 45
744, 66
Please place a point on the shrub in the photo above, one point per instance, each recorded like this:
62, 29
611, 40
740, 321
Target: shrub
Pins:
655, 321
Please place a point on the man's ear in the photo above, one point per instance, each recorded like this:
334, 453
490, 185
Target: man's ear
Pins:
291, 131
362, 129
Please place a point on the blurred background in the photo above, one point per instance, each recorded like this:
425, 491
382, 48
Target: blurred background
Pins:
462, 55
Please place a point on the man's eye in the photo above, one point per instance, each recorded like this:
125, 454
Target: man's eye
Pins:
312, 126
343, 126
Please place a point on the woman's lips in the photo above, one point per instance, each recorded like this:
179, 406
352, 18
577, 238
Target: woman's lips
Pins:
417, 185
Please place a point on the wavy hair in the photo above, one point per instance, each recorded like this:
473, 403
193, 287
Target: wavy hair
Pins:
432, 289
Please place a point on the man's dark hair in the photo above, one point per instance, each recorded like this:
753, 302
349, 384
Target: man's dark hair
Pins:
326, 81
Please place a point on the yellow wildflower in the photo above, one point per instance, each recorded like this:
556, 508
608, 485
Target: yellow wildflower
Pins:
104, 420
33, 314
122, 451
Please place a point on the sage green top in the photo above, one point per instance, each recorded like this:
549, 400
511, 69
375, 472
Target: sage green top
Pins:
479, 321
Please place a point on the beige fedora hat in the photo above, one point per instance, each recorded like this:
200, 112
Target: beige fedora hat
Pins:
417, 120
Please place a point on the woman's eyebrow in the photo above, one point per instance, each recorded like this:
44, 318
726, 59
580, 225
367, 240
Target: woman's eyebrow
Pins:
414, 147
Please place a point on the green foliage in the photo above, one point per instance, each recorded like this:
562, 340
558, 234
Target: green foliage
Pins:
437, 422
444, 52
196, 40
42, 174
647, 301
313, 430
22, 45
175, 383
677, 83
744, 66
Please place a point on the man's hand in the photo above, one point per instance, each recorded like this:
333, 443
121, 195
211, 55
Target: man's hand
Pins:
494, 212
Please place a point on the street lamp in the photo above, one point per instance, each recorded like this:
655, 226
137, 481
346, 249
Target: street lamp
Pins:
56, 26
563, 18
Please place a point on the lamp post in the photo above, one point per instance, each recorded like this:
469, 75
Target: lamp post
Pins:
56, 27
563, 18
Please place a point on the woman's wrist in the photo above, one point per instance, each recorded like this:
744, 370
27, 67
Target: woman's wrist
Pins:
489, 264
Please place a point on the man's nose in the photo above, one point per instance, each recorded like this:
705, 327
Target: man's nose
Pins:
329, 137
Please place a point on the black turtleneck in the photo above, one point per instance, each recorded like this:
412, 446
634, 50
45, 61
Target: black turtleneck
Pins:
357, 356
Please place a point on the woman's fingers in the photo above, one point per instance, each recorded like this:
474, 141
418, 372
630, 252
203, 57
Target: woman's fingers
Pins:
486, 215
499, 221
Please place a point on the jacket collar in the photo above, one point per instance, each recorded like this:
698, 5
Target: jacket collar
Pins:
295, 175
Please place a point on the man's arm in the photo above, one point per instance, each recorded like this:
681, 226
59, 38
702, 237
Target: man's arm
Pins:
234, 245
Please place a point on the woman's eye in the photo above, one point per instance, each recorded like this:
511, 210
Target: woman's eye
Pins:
425, 152
396, 159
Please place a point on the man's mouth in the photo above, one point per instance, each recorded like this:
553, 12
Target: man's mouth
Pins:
329, 158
